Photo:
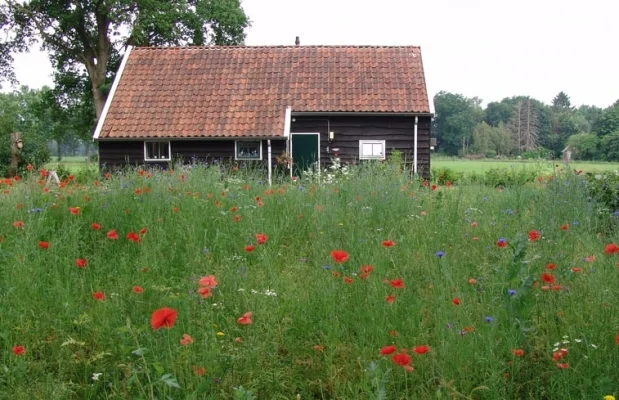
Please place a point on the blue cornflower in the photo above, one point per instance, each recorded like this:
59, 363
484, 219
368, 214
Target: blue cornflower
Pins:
36, 210
440, 254
489, 319
205, 250
326, 267
575, 223
511, 292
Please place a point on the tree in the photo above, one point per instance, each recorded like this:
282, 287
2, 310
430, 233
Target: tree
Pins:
609, 146
455, 119
86, 38
524, 126
561, 102
585, 145
497, 112
608, 122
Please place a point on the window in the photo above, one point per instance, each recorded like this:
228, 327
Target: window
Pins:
157, 151
248, 150
371, 149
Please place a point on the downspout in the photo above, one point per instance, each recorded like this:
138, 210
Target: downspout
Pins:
269, 166
415, 147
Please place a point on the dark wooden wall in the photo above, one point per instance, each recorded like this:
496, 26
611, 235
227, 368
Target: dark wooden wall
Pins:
397, 131
122, 153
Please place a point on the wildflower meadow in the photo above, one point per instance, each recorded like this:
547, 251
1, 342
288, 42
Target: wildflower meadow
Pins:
196, 284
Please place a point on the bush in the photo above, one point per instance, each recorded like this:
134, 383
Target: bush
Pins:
444, 175
509, 177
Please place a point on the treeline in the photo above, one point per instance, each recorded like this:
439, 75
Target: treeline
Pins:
46, 123
523, 126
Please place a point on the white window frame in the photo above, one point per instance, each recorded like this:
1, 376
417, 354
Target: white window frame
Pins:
236, 151
169, 158
372, 142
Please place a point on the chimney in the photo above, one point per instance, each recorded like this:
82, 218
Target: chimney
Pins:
297, 41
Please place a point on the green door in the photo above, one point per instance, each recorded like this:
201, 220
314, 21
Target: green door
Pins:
304, 152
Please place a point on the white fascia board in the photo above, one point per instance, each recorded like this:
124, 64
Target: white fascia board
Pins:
110, 96
287, 120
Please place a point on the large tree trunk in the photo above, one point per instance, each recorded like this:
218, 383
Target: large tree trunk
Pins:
15, 148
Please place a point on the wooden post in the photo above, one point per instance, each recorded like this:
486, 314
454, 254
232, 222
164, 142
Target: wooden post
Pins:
16, 146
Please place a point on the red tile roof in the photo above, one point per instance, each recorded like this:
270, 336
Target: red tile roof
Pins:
194, 92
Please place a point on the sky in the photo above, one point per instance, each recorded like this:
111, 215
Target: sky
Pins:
489, 49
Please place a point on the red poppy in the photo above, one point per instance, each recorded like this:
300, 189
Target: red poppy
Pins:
433, 187
348, 280
261, 238
397, 283
339, 256
163, 318
81, 263
559, 354
134, 237
100, 296
366, 269
617, 339
534, 235
249, 248
551, 266
95, 226
501, 242
143, 231
237, 218
198, 371
74, 210
44, 245
18, 224
112, 235
563, 365
455, 301
390, 299
245, 319
386, 350
208, 281
18, 350
611, 249
565, 227
29, 167
472, 281
137, 289
518, 352
388, 243
205, 292
576, 269
186, 340
548, 278
421, 349
402, 359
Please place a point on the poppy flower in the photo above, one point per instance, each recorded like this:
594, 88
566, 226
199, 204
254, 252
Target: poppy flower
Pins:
319, 347
74, 210
551, 266
348, 280
386, 350
611, 249
472, 281
18, 350
617, 339
433, 187
261, 238
474, 224
100, 296
534, 235
455, 301
18, 224
563, 365
366, 269
112, 235
205, 292
576, 269
208, 281
134, 237
29, 167
163, 318
44, 245
137, 289
95, 226
143, 231
339, 256
81, 263
565, 227
245, 319
402, 359
198, 371
559, 354
249, 248
390, 299
397, 283
518, 352
548, 278
388, 243
237, 218
502, 242
186, 340
421, 349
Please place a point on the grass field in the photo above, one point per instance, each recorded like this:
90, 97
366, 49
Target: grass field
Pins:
185, 285
482, 166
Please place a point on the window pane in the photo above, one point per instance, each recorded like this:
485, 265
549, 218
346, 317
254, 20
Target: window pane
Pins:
366, 150
248, 150
377, 150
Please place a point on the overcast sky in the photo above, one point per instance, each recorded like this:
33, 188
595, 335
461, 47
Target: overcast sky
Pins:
486, 48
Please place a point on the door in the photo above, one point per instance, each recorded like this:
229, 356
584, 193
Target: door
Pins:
305, 152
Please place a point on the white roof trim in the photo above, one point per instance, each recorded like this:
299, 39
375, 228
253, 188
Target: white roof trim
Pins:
110, 96
287, 120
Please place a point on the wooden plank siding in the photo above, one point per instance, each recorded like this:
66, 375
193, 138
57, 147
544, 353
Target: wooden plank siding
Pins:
114, 154
397, 131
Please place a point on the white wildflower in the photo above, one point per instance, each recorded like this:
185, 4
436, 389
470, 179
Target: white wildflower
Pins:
96, 375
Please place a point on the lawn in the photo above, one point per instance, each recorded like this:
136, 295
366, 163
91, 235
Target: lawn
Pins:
482, 166
72, 163
187, 284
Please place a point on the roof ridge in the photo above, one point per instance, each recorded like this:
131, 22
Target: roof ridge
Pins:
217, 47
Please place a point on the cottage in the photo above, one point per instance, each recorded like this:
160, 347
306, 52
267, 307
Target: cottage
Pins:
244, 103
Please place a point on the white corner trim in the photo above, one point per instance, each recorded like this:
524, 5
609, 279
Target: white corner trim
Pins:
110, 96
287, 120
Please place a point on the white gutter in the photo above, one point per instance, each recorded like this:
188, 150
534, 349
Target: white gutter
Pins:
269, 167
287, 121
415, 147
110, 96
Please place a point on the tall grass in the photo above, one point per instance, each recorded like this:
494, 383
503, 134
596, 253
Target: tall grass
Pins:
318, 325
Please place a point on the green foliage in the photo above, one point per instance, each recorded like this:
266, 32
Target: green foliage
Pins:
444, 175
489, 140
539, 153
609, 146
608, 123
585, 146
454, 122
509, 177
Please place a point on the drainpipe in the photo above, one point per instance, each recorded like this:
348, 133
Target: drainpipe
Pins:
415, 147
269, 167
